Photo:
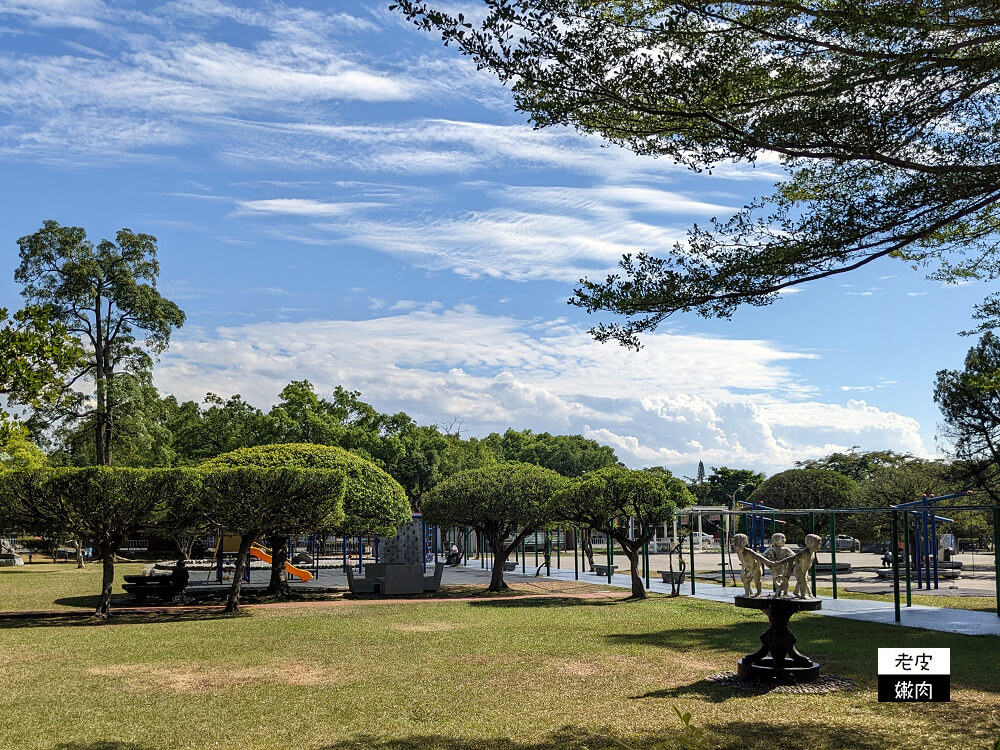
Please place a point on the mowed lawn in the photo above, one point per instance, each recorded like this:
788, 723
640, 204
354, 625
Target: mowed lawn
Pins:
492, 673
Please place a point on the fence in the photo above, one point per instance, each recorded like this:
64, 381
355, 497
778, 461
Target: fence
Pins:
912, 530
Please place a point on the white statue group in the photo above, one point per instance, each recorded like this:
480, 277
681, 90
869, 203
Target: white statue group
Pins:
782, 561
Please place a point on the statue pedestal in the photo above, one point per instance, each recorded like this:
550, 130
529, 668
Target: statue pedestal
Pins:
785, 663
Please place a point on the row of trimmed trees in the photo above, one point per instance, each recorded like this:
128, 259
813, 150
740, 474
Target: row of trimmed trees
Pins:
279, 490
506, 502
273, 491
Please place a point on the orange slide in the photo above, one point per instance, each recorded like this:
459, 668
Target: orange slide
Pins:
261, 554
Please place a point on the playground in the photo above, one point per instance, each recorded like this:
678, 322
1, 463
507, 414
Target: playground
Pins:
554, 670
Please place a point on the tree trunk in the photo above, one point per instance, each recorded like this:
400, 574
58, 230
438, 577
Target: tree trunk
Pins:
103, 611
497, 583
588, 547
79, 554
233, 600
278, 586
632, 553
100, 387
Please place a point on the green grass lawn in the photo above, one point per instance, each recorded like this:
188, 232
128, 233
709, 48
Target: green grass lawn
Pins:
497, 673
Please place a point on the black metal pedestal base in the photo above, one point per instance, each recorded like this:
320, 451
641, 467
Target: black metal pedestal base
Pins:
765, 669
777, 658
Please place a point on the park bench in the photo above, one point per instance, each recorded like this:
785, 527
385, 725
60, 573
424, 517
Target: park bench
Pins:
842, 567
381, 578
602, 570
942, 573
672, 576
433, 581
142, 586
510, 566
360, 584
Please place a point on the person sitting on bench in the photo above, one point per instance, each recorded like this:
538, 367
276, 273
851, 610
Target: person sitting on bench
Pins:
454, 556
179, 577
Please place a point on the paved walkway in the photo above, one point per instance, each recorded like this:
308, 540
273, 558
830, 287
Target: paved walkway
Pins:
965, 622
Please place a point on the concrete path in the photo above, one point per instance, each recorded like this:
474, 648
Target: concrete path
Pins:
965, 622
961, 621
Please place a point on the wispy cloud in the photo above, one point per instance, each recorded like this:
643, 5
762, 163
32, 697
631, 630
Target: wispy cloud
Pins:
301, 207
151, 83
528, 233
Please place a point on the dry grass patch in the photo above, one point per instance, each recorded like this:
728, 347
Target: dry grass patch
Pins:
424, 627
187, 679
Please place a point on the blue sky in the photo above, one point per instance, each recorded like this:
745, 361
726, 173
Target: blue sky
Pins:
340, 198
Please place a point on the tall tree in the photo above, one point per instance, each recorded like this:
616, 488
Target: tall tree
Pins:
892, 485
221, 426
882, 112
142, 435
969, 400
860, 466
102, 294
728, 486
609, 498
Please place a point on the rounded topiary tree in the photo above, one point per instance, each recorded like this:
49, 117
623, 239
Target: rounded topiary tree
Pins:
374, 502
101, 504
252, 501
606, 499
501, 501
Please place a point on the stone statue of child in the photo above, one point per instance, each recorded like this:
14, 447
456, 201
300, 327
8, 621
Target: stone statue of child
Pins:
803, 560
781, 563
750, 563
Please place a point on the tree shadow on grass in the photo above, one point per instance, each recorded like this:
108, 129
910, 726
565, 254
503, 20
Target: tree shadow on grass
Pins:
702, 690
566, 738
833, 642
549, 601
733, 735
742, 636
84, 602
86, 619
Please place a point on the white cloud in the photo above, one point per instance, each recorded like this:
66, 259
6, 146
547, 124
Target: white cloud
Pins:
300, 207
677, 401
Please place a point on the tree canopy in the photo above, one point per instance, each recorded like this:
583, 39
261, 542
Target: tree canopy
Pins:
504, 501
570, 455
627, 505
969, 400
37, 358
374, 503
882, 112
860, 466
808, 488
727, 486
